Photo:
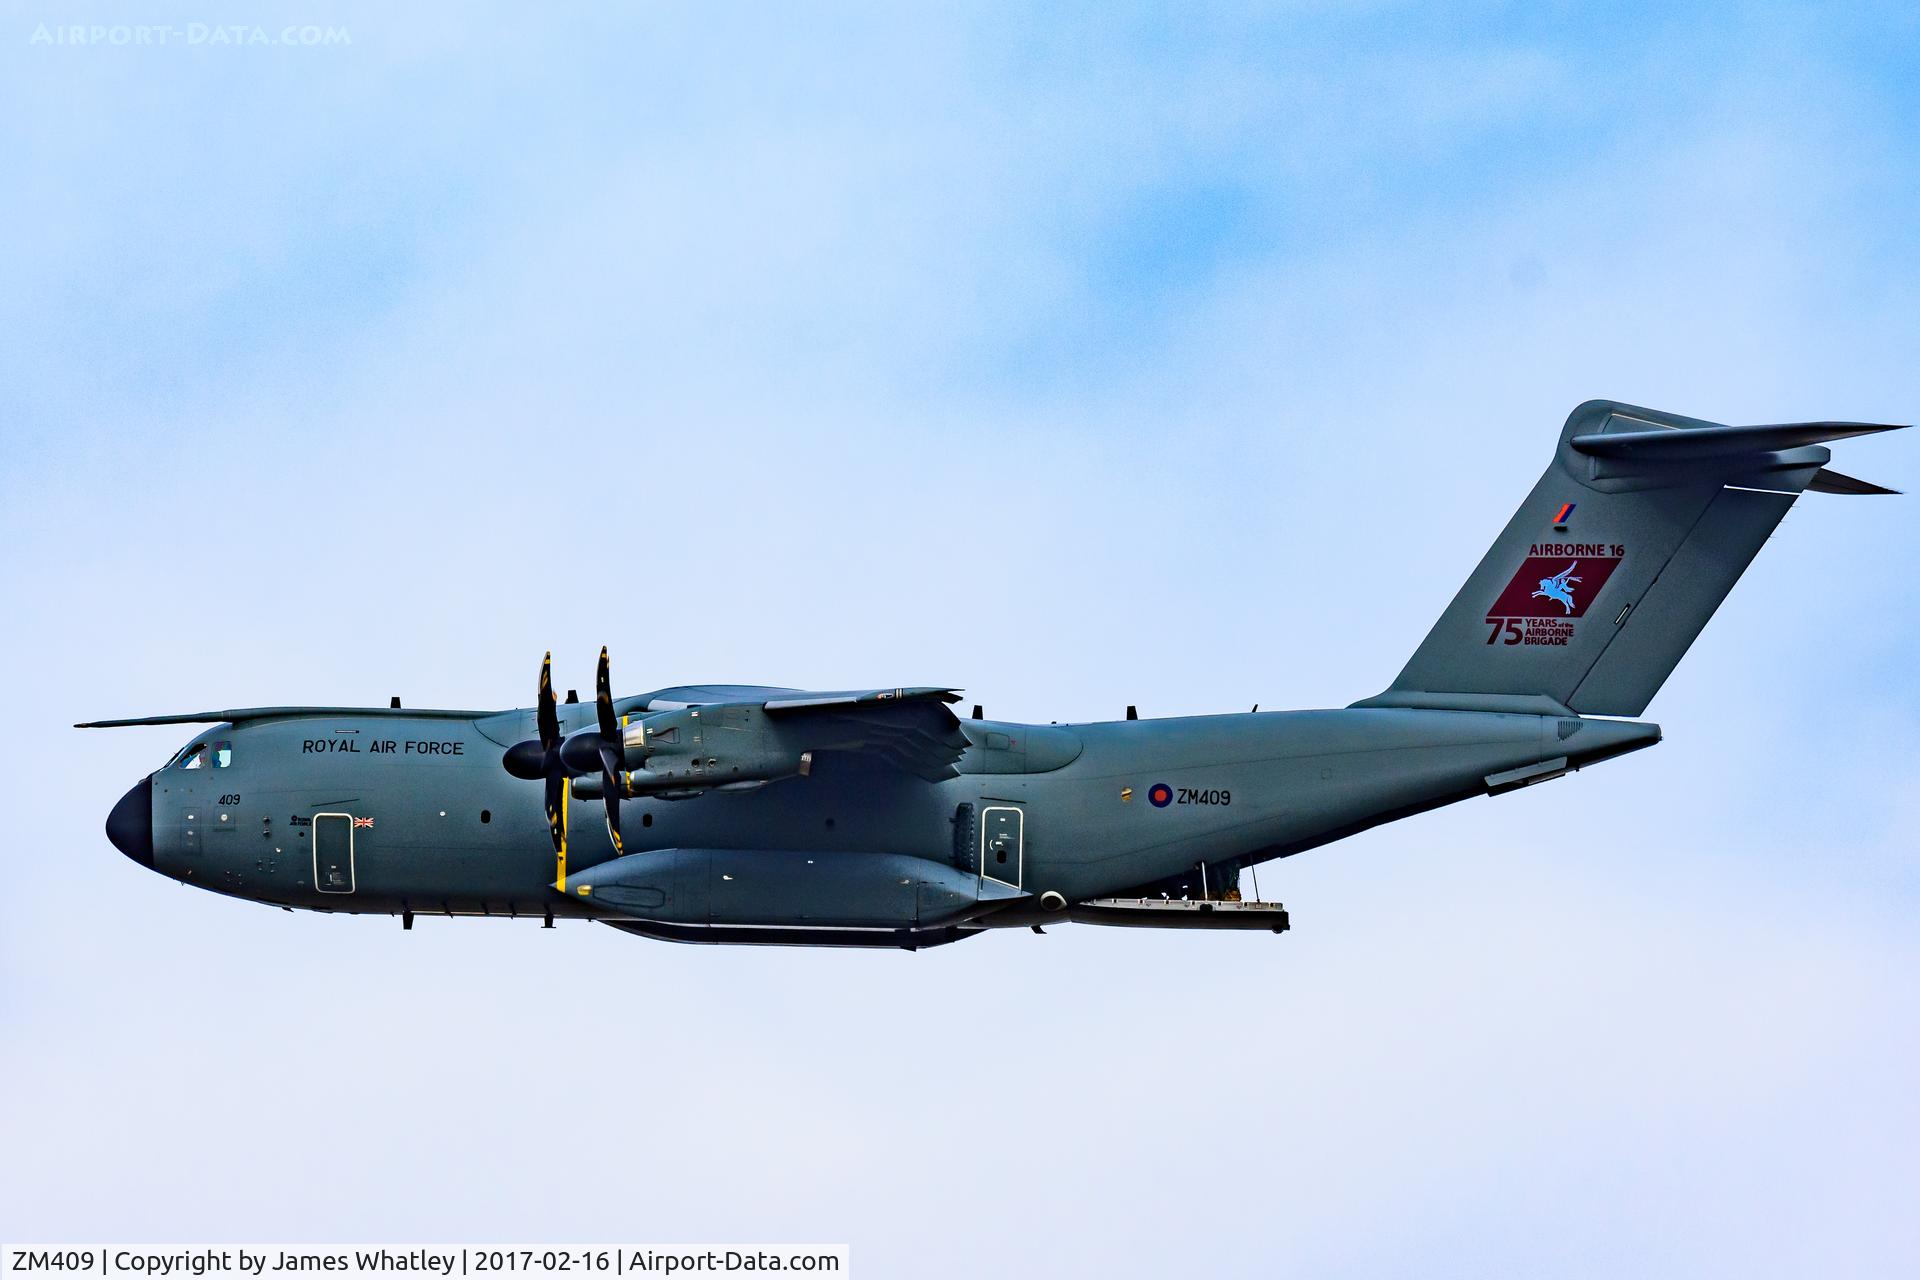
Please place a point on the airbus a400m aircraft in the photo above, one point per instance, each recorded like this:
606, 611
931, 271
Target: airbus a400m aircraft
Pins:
744, 814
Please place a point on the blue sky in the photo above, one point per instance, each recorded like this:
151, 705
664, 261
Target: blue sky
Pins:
1210, 344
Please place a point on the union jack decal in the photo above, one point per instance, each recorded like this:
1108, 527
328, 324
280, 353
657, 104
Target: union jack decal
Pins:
363, 822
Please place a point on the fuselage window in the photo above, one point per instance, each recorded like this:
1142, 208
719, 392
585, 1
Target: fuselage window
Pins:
222, 754
195, 757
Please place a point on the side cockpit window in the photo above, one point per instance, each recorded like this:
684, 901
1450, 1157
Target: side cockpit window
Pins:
205, 755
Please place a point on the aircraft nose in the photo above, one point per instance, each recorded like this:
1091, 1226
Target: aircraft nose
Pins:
130, 825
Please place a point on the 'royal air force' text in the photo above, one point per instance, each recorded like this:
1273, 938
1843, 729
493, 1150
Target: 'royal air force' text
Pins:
380, 747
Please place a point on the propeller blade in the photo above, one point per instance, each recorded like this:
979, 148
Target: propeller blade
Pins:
611, 756
603, 699
549, 719
557, 795
610, 762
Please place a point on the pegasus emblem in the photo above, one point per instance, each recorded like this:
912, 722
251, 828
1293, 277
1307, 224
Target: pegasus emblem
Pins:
1559, 587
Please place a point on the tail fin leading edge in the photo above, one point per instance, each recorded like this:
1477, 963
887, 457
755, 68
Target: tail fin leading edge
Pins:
1613, 564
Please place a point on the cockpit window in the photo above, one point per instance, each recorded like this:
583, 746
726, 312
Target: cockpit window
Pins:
222, 754
194, 757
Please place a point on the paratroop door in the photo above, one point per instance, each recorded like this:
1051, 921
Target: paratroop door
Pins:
1002, 842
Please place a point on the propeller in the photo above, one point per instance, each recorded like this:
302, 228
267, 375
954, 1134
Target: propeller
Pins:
588, 751
540, 758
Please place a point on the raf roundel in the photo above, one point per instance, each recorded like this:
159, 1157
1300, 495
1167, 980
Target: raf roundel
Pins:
1160, 795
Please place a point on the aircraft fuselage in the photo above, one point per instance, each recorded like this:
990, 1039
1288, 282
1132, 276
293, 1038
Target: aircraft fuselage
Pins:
415, 813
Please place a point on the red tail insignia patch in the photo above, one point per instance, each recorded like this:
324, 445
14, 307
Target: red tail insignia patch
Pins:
1551, 589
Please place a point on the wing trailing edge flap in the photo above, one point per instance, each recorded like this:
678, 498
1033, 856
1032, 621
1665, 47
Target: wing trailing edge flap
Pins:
922, 739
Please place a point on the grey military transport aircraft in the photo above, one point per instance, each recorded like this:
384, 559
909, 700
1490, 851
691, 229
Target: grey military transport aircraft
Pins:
878, 818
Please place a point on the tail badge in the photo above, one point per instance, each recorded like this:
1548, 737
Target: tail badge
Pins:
1551, 591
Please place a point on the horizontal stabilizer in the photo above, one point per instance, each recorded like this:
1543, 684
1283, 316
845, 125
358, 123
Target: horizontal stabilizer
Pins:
1826, 480
1668, 444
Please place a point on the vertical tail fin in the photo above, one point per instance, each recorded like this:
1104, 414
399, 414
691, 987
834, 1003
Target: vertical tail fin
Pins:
1616, 560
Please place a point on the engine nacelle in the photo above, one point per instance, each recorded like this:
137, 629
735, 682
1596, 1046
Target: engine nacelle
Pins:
712, 746
640, 783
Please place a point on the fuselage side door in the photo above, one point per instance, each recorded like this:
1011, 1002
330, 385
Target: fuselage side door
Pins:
333, 852
1003, 841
